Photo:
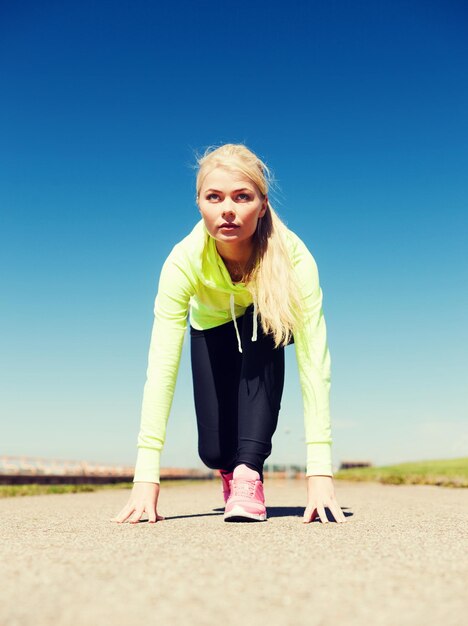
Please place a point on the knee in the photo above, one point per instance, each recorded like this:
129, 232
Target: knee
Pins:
211, 457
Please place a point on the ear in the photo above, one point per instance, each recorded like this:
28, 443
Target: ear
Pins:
264, 208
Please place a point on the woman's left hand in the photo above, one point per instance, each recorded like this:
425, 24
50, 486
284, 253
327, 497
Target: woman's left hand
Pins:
321, 494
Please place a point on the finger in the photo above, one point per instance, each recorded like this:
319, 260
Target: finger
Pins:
343, 516
337, 513
136, 516
309, 514
123, 514
323, 515
152, 516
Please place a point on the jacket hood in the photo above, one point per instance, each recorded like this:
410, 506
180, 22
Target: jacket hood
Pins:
213, 270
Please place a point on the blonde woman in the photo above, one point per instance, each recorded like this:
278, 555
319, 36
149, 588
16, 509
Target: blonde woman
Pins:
250, 287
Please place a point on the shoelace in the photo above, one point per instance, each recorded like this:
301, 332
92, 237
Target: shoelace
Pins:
226, 482
243, 487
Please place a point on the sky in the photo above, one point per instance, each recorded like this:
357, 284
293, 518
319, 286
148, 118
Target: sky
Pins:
360, 110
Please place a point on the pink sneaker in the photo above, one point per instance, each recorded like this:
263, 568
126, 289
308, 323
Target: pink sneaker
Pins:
226, 478
247, 501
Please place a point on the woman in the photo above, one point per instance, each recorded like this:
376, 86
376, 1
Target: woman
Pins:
251, 287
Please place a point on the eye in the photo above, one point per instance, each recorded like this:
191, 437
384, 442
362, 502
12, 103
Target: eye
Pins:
212, 195
243, 196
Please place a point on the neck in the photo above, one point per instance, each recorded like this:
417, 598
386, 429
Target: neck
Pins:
238, 254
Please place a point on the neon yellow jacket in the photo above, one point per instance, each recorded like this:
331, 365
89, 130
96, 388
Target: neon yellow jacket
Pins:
195, 281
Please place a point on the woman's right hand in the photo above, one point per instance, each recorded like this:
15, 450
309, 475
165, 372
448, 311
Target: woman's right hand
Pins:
144, 497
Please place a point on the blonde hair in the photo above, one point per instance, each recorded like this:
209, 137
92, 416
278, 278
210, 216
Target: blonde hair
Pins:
269, 272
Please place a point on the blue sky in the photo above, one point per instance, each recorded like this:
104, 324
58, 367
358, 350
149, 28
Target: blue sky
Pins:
359, 108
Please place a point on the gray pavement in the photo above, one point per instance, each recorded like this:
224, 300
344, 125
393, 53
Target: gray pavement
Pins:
399, 559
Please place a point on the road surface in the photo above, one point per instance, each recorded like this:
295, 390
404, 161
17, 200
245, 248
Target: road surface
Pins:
400, 559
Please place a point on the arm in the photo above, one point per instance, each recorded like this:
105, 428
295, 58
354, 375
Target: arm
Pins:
313, 359
169, 327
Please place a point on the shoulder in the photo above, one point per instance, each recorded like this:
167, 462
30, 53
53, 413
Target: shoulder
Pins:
180, 270
193, 241
299, 252
188, 251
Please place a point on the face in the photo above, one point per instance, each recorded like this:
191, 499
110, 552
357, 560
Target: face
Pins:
230, 198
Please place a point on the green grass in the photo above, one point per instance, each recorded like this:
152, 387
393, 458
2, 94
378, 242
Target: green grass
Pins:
8, 491
447, 473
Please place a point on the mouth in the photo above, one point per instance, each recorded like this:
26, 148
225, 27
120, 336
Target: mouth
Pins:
227, 226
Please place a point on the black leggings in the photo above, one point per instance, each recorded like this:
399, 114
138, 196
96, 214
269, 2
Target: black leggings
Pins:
237, 395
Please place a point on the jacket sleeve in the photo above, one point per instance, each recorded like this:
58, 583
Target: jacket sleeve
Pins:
314, 365
169, 327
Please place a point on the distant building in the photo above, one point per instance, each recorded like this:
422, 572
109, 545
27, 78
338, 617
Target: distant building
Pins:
350, 464
26, 469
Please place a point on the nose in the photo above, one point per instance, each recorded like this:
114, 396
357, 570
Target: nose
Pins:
227, 209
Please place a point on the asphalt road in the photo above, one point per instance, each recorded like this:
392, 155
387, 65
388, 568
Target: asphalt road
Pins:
399, 559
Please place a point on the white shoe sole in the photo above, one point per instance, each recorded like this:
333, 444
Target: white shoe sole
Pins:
238, 514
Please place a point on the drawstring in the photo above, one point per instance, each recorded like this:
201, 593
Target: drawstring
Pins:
254, 334
233, 315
